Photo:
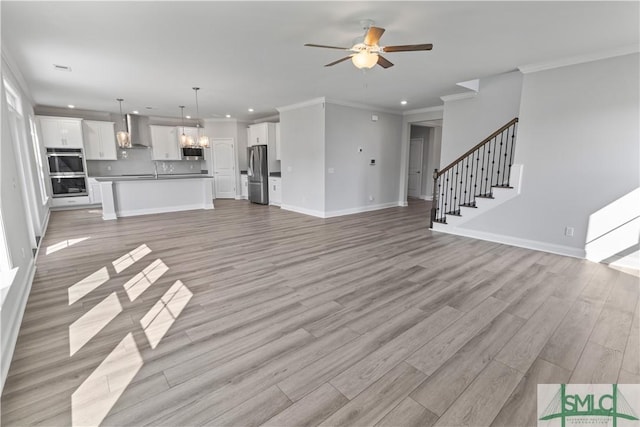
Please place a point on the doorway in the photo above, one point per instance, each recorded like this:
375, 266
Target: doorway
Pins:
416, 149
224, 168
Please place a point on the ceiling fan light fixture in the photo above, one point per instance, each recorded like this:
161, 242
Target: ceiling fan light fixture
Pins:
364, 59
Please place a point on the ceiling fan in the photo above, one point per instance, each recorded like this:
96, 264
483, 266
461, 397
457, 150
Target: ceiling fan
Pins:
367, 53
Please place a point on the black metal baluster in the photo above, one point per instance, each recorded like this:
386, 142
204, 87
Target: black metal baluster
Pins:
450, 198
467, 189
499, 159
475, 183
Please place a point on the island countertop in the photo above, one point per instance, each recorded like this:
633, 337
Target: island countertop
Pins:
149, 177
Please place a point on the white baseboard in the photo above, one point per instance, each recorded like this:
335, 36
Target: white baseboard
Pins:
403, 204
304, 211
351, 211
168, 209
512, 241
10, 335
361, 209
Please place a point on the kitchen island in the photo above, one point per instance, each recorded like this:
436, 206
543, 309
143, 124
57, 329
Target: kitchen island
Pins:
148, 194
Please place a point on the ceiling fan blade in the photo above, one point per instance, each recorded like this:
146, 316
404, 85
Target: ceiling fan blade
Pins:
407, 48
338, 61
384, 62
373, 35
328, 47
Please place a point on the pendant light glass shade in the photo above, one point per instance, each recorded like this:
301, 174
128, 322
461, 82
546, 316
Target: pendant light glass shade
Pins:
123, 137
185, 140
202, 140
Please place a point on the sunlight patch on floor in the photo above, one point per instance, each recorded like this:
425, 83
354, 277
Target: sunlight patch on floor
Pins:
159, 319
147, 277
88, 284
93, 321
130, 258
64, 244
95, 397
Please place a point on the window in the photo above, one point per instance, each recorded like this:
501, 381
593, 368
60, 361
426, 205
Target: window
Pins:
37, 153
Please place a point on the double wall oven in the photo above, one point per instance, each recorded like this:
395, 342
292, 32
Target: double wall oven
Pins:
66, 172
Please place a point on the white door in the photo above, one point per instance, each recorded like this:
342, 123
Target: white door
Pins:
415, 167
224, 168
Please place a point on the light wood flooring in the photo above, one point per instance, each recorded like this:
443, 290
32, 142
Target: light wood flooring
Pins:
250, 315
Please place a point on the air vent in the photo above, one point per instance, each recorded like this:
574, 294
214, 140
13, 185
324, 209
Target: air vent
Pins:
61, 67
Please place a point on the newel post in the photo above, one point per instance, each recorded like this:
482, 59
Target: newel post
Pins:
434, 199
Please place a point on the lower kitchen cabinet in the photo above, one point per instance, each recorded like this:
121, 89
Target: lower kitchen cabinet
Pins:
275, 191
244, 184
95, 193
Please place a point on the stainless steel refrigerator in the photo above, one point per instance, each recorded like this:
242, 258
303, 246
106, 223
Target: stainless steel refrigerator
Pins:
258, 174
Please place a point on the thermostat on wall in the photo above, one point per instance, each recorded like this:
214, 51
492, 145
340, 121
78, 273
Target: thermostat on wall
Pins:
372, 162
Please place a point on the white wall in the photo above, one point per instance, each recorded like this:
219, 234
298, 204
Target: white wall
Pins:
15, 224
354, 181
468, 121
578, 141
303, 157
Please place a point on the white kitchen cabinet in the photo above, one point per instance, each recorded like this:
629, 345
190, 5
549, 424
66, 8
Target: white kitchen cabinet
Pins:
60, 132
262, 134
277, 141
95, 193
61, 202
244, 184
164, 143
99, 140
275, 191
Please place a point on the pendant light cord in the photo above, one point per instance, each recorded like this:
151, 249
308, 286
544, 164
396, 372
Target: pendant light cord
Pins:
197, 113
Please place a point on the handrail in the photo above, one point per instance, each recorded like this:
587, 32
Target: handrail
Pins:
484, 141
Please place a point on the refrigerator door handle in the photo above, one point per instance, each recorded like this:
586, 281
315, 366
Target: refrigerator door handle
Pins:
250, 169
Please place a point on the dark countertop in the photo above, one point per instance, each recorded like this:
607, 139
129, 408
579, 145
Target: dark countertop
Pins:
150, 177
275, 174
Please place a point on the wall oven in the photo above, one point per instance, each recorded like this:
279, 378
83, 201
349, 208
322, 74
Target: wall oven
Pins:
66, 172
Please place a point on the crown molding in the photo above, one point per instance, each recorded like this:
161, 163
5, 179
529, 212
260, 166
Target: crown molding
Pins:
580, 59
220, 119
458, 96
14, 70
360, 106
308, 103
423, 110
268, 119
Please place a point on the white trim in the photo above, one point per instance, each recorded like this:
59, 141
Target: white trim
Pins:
361, 106
580, 59
220, 119
7, 57
304, 211
8, 340
302, 104
267, 119
361, 209
458, 96
512, 241
423, 110
136, 212
403, 204
473, 85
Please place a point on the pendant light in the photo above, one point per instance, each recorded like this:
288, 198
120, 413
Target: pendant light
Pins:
185, 140
123, 137
202, 140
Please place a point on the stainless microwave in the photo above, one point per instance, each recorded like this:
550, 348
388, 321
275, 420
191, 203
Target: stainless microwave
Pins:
192, 153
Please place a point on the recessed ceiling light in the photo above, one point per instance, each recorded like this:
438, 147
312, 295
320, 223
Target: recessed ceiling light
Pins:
251, 110
61, 67
187, 117
403, 102
71, 106
136, 112
228, 116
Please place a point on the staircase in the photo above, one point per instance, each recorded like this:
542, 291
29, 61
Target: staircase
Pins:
483, 177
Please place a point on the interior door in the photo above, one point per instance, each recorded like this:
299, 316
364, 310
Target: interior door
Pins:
416, 146
224, 168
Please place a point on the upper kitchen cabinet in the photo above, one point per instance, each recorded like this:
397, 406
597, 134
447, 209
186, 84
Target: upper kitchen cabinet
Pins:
164, 143
60, 132
262, 134
99, 140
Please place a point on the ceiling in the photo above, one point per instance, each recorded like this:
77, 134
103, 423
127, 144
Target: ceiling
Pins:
251, 54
